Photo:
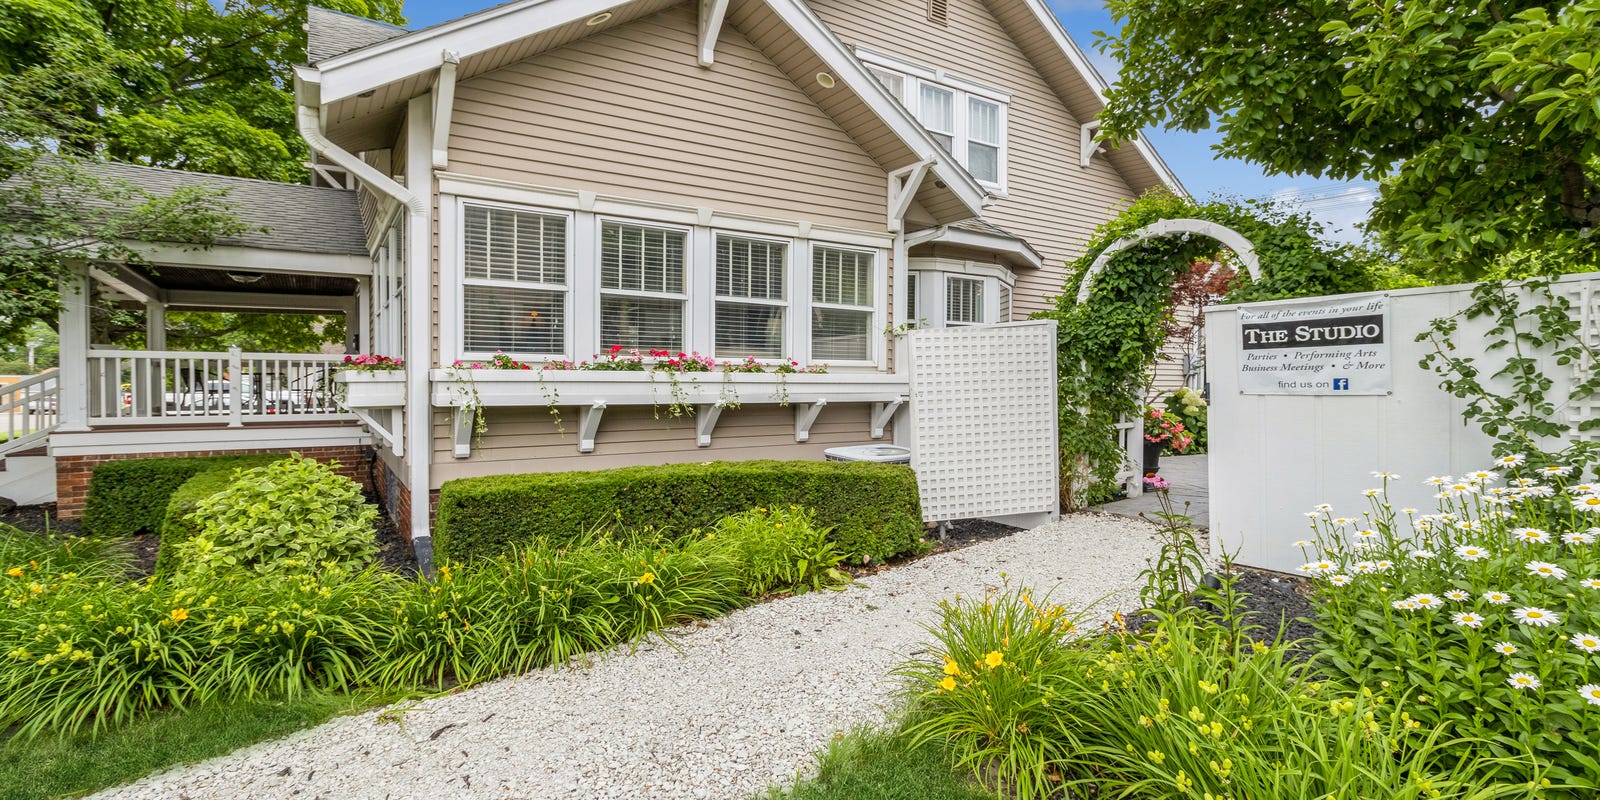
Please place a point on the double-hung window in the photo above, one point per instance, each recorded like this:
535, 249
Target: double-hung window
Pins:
514, 282
963, 301
751, 280
968, 120
642, 286
841, 304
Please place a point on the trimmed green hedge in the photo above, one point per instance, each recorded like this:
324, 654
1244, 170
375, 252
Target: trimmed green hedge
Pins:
175, 528
872, 508
127, 498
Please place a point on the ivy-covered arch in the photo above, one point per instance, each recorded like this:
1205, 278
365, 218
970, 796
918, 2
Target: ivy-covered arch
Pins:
1119, 294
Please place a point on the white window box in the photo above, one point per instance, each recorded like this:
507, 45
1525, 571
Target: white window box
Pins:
708, 393
373, 389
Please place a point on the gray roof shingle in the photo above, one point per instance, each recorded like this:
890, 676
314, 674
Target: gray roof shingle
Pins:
332, 33
306, 219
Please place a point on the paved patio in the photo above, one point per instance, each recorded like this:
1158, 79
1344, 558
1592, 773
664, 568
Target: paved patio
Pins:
1188, 477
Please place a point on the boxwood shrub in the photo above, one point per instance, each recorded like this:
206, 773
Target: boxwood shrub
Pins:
127, 498
872, 508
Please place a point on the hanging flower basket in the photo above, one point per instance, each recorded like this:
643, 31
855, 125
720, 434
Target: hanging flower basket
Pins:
372, 389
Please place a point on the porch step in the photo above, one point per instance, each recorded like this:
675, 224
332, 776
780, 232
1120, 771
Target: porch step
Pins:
28, 479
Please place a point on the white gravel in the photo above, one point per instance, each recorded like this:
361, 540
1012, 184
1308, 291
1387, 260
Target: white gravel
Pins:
736, 706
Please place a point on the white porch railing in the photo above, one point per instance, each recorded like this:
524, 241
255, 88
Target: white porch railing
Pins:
29, 411
145, 386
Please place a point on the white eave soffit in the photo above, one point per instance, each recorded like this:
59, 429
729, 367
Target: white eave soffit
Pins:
383, 63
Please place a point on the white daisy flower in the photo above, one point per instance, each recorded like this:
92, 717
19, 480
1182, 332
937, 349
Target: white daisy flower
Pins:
1302, 544
1530, 535
1426, 601
1556, 470
1306, 568
1383, 566
1364, 567
1587, 642
1471, 552
1590, 583
1323, 507
1467, 619
1463, 488
1422, 525
1404, 605
1467, 525
1342, 520
1457, 595
1496, 598
1504, 648
1312, 515
1482, 476
1339, 580
1500, 491
1423, 555
1437, 480
1524, 482
1408, 511
1538, 491
1590, 692
1366, 534
1535, 616
1364, 544
1324, 566
1583, 488
1523, 680
1589, 503
1545, 569
1386, 475
1511, 460
1371, 492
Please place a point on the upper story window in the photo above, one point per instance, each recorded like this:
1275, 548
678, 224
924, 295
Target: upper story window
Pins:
514, 281
967, 119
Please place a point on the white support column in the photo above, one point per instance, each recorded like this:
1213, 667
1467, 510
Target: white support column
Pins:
76, 301
419, 321
151, 382
359, 336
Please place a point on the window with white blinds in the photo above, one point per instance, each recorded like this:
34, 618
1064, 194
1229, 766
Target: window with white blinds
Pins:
751, 275
841, 304
963, 301
911, 300
642, 286
514, 281
967, 119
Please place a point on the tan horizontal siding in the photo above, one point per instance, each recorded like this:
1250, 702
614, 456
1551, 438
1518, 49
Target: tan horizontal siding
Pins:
630, 112
1052, 201
522, 440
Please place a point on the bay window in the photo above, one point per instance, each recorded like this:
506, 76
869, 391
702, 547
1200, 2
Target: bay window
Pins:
642, 291
514, 281
842, 302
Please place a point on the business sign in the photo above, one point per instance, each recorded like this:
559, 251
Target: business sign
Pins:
1330, 348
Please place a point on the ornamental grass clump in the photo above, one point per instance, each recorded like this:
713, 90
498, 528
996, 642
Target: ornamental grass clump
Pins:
1190, 708
1481, 615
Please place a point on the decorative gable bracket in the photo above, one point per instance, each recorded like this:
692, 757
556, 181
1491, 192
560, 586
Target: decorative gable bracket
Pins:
1089, 143
712, 13
903, 185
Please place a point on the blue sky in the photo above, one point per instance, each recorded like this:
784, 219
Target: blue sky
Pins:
1336, 203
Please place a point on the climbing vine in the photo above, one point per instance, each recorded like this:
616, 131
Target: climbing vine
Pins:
1516, 404
1108, 342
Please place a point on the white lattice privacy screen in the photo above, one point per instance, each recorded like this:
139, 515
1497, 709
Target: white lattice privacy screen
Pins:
983, 420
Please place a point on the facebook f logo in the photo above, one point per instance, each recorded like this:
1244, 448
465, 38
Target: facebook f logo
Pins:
1341, 384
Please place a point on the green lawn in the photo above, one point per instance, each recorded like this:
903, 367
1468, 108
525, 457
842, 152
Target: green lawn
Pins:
876, 765
68, 767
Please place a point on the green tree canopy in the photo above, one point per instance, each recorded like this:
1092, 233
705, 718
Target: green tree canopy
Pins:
1481, 119
190, 84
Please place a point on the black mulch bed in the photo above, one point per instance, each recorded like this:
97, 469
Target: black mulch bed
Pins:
960, 534
1275, 608
394, 552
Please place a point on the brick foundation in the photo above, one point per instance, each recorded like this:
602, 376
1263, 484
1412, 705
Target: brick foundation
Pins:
395, 497
72, 472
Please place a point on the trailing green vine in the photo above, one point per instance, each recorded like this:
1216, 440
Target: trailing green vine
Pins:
1107, 344
1516, 404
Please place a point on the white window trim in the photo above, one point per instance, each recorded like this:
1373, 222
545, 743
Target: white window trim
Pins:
583, 284
880, 294
984, 292
791, 303
933, 277
453, 280
915, 75
688, 296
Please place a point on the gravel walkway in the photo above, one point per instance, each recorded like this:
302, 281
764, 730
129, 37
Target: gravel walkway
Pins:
741, 703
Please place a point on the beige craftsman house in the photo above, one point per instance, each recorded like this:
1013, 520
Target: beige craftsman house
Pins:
783, 180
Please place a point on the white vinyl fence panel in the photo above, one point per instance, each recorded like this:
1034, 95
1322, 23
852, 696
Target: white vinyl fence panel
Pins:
983, 421
1273, 457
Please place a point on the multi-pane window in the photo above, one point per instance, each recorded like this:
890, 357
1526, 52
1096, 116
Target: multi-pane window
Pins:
911, 300
966, 119
963, 303
841, 304
750, 288
642, 286
514, 276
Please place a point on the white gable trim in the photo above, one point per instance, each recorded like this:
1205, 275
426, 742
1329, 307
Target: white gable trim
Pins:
1092, 77
425, 50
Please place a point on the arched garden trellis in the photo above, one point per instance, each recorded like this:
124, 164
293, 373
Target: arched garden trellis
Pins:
1112, 311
